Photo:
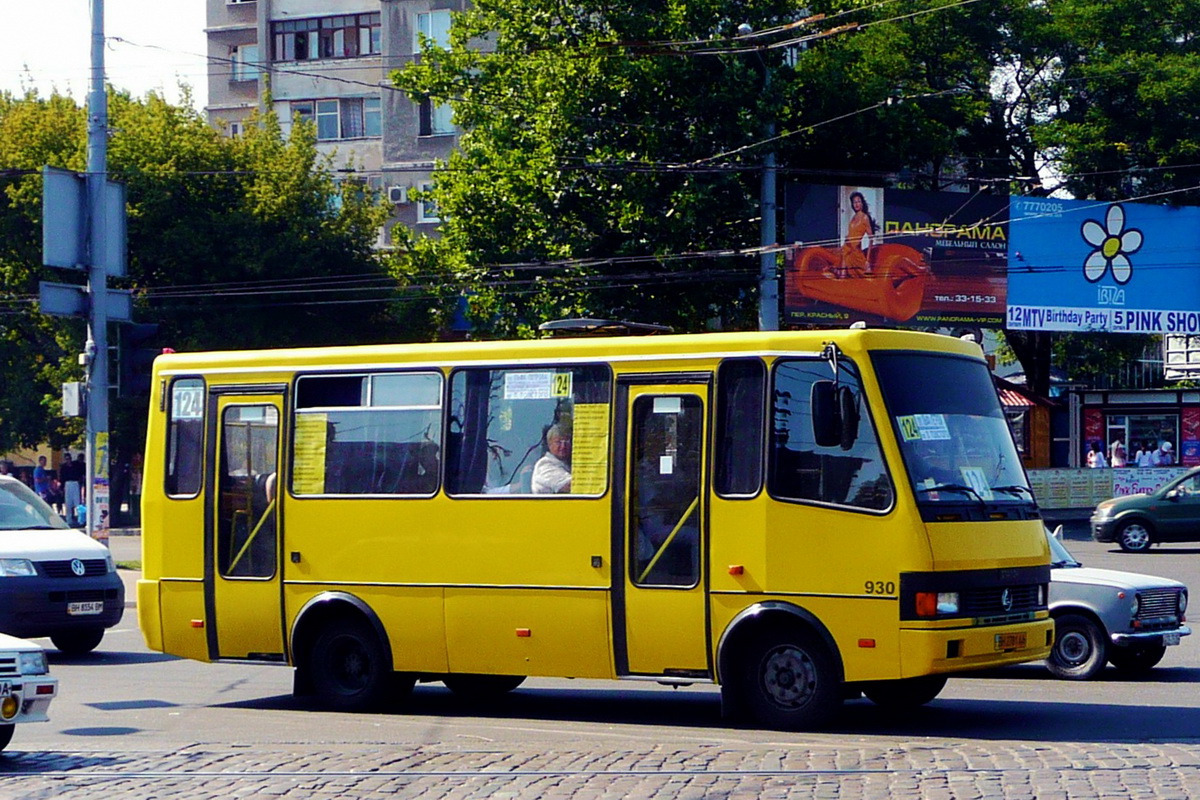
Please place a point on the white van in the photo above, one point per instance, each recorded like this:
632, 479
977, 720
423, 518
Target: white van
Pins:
54, 581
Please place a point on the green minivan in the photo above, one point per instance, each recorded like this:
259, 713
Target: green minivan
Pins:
1168, 514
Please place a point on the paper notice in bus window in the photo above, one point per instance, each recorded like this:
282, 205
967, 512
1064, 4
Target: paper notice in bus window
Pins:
530, 385
589, 448
974, 477
308, 460
930, 427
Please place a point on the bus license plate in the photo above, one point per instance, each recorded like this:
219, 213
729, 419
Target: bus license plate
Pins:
81, 609
1010, 641
1170, 638
5, 688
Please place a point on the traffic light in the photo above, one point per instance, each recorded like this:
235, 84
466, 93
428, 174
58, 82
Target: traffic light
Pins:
136, 357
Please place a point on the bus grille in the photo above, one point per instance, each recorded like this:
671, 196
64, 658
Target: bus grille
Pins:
990, 602
62, 569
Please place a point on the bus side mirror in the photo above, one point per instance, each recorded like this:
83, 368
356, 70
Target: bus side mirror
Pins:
835, 415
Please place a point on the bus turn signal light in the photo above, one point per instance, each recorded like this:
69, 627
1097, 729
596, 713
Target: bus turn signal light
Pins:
736, 569
524, 633
926, 604
197, 623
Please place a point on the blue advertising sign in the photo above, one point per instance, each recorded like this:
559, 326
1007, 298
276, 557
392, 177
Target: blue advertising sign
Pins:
1083, 265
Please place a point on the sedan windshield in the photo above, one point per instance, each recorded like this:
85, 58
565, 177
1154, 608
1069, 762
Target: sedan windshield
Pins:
21, 509
956, 443
1059, 555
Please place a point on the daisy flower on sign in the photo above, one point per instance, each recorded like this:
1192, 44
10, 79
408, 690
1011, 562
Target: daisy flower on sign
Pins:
1113, 246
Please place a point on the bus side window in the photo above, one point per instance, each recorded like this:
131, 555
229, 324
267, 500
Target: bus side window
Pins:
741, 401
185, 437
368, 434
501, 421
801, 469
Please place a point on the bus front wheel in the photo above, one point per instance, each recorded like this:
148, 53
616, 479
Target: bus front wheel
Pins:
349, 668
787, 680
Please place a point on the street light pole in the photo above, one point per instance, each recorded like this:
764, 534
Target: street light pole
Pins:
97, 342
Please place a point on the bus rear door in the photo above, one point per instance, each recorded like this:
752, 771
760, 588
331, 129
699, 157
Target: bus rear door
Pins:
244, 593
660, 530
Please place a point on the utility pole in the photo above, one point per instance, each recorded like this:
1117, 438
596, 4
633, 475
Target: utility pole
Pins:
768, 284
97, 342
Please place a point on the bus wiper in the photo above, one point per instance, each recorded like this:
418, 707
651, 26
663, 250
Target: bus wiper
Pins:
1014, 489
951, 487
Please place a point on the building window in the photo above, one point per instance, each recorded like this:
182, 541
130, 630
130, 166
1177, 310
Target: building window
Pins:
244, 60
435, 27
346, 36
427, 210
436, 119
344, 118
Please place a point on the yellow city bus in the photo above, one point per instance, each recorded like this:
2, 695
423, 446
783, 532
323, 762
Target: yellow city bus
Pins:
799, 517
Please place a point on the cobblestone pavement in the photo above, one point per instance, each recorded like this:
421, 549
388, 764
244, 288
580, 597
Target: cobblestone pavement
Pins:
824, 769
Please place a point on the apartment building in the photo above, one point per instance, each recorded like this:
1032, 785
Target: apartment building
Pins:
328, 61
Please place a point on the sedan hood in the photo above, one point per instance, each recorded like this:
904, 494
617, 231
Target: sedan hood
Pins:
13, 643
1094, 576
49, 545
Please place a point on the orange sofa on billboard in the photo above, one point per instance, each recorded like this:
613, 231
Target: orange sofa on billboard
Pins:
891, 285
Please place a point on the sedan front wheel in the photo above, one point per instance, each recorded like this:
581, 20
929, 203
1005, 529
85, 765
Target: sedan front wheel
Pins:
1134, 537
1079, 652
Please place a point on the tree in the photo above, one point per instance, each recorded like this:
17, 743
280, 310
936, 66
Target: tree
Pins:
233, 243
603, 143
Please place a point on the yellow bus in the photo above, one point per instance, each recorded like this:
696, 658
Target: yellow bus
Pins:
799, 517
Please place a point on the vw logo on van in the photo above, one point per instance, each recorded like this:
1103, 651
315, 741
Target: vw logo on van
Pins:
1006, 599
77, 567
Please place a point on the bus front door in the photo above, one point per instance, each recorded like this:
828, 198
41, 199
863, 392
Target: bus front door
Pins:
244, 591
659, 601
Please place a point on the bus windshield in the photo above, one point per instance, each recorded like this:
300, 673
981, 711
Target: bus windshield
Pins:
956, 443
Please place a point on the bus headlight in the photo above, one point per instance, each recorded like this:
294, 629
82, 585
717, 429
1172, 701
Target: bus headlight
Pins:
947, 602
16, 568
931, 604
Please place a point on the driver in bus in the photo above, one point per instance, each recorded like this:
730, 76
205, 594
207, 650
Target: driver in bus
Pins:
552, 472
932, 463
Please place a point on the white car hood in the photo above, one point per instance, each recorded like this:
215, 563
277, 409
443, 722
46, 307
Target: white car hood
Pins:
1094, 576
10, 643
49, 545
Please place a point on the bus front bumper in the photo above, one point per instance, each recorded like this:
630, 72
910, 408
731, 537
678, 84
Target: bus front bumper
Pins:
938, 650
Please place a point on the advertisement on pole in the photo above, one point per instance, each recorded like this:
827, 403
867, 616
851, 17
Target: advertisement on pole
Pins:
894, 256
1077, 265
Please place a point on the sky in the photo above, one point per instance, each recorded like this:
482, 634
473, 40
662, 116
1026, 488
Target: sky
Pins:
46, 44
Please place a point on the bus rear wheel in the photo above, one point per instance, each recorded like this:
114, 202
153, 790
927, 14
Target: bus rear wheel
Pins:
906, 693
350, 670
787, 681
481, 688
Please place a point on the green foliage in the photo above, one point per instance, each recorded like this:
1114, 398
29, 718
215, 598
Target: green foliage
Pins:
230, 242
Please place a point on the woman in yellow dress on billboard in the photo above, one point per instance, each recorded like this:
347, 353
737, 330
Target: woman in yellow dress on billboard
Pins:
857, 243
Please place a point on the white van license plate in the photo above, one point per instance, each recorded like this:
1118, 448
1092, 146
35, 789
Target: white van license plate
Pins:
81, 609
1170, 638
